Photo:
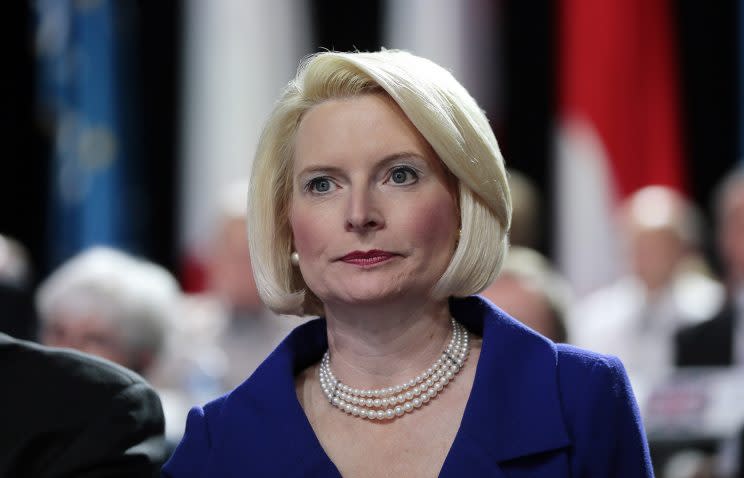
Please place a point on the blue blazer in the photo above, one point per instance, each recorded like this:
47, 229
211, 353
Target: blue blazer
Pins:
536, 409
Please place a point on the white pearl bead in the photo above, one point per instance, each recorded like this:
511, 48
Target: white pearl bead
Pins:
363, 412
376, 402
389, 414
408, 395
417, 402
425, 398
355, 411
369, 402
399, 410
407, 406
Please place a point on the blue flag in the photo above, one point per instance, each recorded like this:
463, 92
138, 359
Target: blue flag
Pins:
85, 100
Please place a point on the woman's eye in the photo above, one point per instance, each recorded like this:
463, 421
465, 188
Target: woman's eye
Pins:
403, 175
319, 185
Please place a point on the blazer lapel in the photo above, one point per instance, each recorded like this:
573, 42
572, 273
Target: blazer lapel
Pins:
514, 406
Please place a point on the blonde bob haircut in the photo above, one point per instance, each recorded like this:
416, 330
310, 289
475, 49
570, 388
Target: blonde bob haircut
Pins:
447, 117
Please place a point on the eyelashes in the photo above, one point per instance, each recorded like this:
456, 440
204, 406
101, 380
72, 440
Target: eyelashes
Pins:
401, 175
319, 185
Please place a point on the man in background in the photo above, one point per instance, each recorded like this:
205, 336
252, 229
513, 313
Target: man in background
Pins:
636, 318
529, 289
720, 340
229, 317
110, 304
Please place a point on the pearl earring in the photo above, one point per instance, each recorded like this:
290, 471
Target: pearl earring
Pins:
294, 258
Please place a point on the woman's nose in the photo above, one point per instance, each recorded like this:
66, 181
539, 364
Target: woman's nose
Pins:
363, 212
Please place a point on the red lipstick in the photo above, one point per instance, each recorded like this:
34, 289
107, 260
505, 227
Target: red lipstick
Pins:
368, 258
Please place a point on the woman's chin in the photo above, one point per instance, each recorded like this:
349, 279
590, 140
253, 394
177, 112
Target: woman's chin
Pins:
369, 296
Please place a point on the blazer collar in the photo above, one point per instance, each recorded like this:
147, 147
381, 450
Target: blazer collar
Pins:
513, 410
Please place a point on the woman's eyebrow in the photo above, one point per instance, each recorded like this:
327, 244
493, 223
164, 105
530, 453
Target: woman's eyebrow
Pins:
319, 168
399, 156
386, 160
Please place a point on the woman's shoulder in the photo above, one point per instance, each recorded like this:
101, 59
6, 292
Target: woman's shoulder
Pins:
590, 378
601, 413
581, 357
578, 365
595, 387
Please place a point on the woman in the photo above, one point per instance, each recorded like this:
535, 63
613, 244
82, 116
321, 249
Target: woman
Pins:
379, 201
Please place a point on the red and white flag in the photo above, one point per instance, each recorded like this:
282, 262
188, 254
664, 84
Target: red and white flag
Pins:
618, 125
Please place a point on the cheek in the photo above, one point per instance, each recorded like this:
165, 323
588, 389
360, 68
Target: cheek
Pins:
434, 222
307, 232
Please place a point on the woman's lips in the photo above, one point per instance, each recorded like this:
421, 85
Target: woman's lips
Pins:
368, 258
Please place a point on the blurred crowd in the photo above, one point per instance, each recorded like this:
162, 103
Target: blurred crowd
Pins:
675, 321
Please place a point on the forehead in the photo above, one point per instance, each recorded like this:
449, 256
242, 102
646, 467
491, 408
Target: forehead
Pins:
360, 126
81, 321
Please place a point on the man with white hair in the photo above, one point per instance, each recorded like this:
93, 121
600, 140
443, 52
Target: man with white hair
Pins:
107, 303
636, 318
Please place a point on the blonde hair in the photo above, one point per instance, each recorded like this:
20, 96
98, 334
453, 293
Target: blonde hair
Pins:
445, 115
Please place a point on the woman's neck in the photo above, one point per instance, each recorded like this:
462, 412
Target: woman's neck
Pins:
382, 346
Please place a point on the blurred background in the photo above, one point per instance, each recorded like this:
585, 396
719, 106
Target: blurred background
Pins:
130, 124
123, 120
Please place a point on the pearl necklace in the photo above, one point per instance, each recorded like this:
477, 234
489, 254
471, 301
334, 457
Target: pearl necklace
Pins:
393, 402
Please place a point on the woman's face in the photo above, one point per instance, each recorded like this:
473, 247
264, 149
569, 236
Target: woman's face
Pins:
373, 210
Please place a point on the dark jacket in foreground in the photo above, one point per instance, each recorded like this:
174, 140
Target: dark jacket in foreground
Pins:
536, 410
67, 414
